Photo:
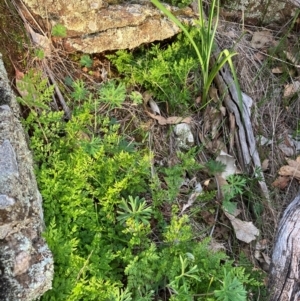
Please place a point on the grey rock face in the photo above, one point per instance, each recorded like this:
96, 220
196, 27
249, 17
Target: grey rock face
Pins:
26, 263
261, 12
96, 25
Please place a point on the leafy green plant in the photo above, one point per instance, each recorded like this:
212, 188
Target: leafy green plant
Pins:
103, 242
232, 289
236, 185
205, 49
86, 61
165, 72
59, 30
112, 94
136, 97
92, 146
180, 282
213, 167
39, 53
79, 91
123, 296
135, 209
36, 93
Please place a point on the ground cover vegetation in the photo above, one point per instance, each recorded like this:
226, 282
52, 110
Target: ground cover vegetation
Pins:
103, 210
121, 222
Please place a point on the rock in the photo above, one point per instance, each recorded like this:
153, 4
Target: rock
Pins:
263, 12
26, 263
184, 135
96, 26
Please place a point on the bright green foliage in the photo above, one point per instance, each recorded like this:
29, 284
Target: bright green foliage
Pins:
79, 91
36, 94
214, 167
181, 284
236, 186
232, 289
164, 72
206, 31
86, 61
135, 209
112, 94
59, 30
108, 242
39, 53
136, 97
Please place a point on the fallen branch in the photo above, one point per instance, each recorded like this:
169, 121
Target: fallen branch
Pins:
248, 155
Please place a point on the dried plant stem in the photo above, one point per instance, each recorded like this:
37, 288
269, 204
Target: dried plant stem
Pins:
58, 93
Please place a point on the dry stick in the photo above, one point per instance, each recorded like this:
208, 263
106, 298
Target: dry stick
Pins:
245, 134
48, 71
29, 14
59, 95
214, 225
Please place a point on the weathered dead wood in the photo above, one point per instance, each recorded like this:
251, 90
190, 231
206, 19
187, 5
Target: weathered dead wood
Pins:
295, 2
244, 137
284, 277
249, 158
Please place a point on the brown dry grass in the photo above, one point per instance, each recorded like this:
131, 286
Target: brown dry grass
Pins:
272, 117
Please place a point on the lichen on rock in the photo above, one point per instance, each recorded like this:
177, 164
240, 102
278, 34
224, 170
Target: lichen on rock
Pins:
26, 263
97, 26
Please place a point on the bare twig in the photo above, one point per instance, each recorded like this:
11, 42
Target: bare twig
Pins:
59, 94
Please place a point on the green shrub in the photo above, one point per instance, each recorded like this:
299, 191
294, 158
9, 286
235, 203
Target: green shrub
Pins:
105, 228
204, 45
165, 72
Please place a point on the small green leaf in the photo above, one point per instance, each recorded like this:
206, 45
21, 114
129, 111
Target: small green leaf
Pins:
136, 97
214, 167
232, 289
39, 53
86, 61
113, 94
59, 30
230, 207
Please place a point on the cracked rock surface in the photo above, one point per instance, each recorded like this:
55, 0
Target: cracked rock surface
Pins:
26, 263
99, 25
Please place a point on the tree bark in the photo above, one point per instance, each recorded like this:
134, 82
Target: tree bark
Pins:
284, 278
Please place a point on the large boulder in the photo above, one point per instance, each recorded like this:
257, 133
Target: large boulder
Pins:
264, 12
96, 25
26, 263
